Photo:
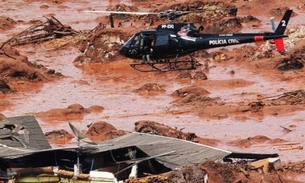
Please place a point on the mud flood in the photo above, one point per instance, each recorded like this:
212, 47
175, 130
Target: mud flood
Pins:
109, 87
112, 86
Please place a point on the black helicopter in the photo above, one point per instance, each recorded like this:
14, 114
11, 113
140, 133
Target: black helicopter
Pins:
160, 48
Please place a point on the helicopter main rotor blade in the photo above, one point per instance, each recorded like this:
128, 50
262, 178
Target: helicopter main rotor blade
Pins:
123, 12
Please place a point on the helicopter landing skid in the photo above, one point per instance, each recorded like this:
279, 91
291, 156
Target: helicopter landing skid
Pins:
166, 65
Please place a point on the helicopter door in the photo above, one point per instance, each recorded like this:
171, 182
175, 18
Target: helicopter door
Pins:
161, 45
147, 42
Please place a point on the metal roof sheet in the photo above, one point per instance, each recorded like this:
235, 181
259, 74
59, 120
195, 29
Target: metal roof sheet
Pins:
12, 146
186, 152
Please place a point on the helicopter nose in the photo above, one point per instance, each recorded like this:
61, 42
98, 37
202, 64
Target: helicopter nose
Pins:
123, 51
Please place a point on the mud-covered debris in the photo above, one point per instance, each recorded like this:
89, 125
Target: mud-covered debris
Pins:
6, 23
191, 94
250, 18
298, 167
184, 75
256, 106
287, 64
124, 8
290, 98
150, 87
291, 147
183, 92
4, 87
42, 31
101, 48
219, 56
187, 173
163, 130
225, 172
226, 26
204, 11
200, 75
295, 60
210, 171
58, 135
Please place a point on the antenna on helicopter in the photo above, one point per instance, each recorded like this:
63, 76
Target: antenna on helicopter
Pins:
272, 23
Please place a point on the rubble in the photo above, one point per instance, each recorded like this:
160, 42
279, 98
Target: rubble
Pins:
150, 87
163, 130
42, 31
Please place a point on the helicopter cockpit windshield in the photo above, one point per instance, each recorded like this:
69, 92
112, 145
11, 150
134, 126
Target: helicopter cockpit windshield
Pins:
133, 41
126, 49
139, 43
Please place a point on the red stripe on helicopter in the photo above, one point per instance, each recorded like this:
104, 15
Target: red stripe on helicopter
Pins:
279, 45
258, 38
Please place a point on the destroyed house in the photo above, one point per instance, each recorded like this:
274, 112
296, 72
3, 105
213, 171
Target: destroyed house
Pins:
153, 154
22, 132
19, 136
170, 153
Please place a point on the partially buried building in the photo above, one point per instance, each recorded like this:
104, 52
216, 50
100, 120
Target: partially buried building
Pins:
23, 145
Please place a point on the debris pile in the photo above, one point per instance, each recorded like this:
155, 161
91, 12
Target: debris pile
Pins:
59, 136
289, 98
192, 94
150, 87
215, 172
42, 31
6, 23
298, 167
209, 11
4, 87
187, 173
101, 48
163, 130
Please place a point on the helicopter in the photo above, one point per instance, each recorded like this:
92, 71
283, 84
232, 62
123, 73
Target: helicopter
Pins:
161, 49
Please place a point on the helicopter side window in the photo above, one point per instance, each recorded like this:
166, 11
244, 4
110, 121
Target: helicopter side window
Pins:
135, 42
162, 40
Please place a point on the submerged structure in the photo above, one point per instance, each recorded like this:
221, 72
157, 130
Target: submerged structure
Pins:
134, 154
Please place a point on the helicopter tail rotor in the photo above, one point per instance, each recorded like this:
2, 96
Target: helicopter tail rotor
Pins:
279, 43
280, 30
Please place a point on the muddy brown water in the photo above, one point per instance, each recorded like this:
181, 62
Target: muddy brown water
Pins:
107, 85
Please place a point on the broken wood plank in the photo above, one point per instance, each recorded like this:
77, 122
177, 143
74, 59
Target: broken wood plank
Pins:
291, 147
